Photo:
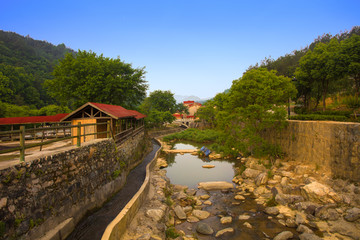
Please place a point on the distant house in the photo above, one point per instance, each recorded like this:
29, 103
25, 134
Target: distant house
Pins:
120, 119
193, 107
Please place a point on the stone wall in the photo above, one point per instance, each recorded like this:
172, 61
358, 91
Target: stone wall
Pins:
333, 147
36, 196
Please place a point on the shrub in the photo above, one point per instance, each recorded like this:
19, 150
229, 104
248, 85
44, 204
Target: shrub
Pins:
320, 117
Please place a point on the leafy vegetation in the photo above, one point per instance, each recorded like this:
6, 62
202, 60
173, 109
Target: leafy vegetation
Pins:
159, 107
328, 66
254, 103
25, 65
88, 77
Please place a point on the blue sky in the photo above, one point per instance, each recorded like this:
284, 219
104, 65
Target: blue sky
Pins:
191, 47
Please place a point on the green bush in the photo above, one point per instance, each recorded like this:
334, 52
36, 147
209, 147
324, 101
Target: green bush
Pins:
320, 117
196, 135
351, 102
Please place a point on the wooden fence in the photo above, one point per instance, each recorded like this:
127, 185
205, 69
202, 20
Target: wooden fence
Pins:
31, 133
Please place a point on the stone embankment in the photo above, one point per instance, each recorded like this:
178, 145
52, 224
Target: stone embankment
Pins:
305, 203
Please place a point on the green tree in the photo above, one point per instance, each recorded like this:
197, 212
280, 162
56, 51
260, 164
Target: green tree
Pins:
350, 50
256, 101
53, 110
161, 101
320, 72
159, 107
85, 77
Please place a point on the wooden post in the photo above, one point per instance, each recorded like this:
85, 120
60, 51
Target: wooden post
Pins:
78, 142
22, 143
108, 129
11, 135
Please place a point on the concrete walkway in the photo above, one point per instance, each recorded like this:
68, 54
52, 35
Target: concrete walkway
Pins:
93, 226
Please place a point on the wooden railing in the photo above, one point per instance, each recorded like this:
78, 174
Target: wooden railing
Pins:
25, 134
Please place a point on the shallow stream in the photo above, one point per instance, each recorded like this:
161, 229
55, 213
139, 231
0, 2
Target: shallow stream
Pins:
186, 169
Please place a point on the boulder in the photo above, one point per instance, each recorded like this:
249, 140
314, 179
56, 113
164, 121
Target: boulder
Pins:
155, 214
344, 228
318, 192
284, 235
309, 236
244, 217
220, 185
161, 163
239, 197
303, 229
248, 225
352, 214
192, 219
180, 213
261, 179
204, 197
250, 173
272, 210
208, 166
200, 214
204, 228
226, 220
224, 231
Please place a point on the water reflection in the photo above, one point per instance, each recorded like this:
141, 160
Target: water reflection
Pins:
187, 170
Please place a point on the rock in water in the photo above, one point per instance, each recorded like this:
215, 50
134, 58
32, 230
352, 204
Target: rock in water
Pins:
208, 186
200, 214
272, 210
309, 236
224, 231
204, 228
208, 166
226, 220
180, 213
284, 235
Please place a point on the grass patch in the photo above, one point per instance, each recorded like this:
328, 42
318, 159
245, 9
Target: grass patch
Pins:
171, 232
271, 202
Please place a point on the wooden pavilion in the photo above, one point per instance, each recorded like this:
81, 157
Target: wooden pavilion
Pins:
98, 115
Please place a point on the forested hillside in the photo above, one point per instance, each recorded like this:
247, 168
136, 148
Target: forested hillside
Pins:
25, 64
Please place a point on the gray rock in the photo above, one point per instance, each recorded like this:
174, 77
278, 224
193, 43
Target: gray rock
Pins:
204, 228
272, 210
250, 173
200, 214
290, 223
303, 229
344, 228
191, 192
284, 235
226, 220
180, 213
352, 214
299, 219
155, 214
309, 236
224, 231
261, 179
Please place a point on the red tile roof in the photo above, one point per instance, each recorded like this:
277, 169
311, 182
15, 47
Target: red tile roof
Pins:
138, 115
113, 110
33, 119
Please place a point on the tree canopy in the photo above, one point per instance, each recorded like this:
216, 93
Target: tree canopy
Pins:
86, 76
159, 106
256, 101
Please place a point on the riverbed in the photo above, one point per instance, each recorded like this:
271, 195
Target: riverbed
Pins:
186, 169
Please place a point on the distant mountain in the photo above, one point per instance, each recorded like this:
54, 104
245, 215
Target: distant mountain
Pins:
180, 99
25, 64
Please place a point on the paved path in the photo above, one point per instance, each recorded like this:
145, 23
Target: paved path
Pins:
93, 226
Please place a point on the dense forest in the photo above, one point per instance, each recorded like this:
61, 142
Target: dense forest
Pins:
25, 64
328, 68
